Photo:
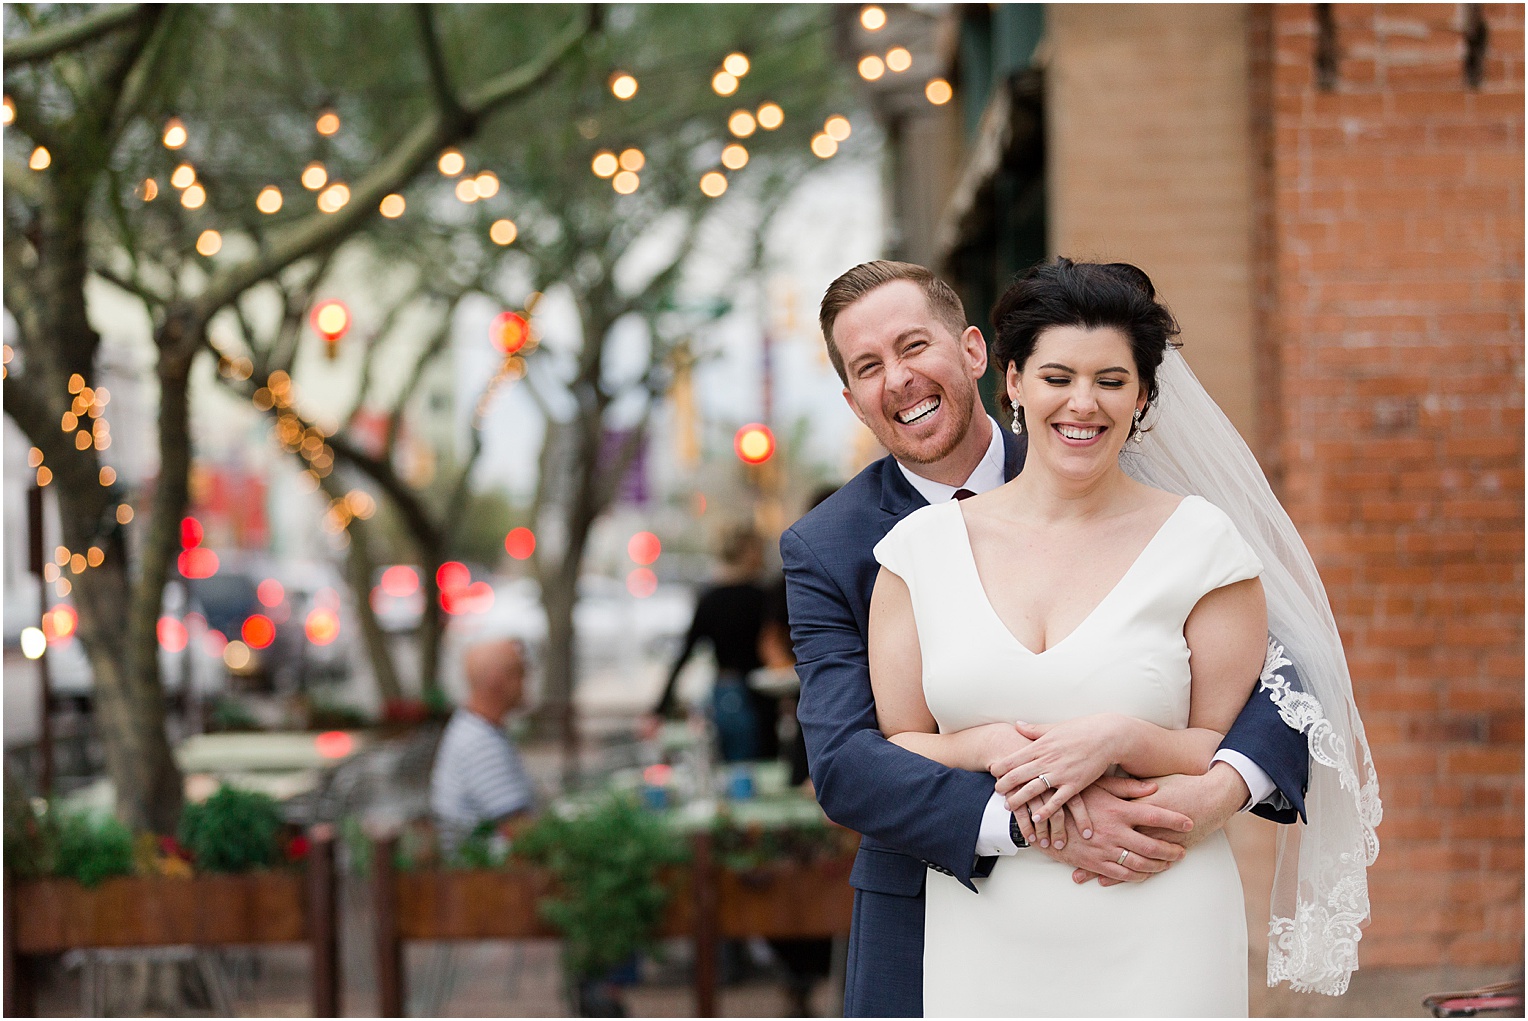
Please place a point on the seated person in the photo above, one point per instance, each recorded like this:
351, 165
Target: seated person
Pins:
478, 776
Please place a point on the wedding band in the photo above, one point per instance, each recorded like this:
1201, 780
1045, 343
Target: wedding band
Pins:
1122, 856
1046, 782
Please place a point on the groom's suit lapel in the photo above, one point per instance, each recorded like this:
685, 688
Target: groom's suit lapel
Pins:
898, 497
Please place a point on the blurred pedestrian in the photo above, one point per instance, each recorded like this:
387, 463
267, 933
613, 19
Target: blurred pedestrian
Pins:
478, 776
729, 615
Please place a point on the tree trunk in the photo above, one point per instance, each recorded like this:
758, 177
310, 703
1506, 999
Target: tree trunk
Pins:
359, 565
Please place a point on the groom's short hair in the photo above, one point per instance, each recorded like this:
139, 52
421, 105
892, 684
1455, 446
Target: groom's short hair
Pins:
943, 303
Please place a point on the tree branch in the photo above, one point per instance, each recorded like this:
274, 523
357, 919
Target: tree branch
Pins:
440, 77
73, 34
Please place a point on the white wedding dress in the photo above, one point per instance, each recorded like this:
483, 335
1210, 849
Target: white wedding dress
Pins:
1033, 942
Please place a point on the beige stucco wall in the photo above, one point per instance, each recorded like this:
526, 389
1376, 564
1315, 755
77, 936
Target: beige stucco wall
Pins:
1150, 161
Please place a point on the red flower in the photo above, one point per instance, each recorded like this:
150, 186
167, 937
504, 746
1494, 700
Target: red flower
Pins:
297, 848
172, 848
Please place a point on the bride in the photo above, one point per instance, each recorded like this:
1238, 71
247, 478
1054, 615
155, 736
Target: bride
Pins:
1115, 613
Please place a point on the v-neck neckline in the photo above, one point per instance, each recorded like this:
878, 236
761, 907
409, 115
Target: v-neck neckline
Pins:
992, 610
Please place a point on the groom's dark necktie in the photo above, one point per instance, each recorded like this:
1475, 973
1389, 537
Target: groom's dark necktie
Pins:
963, 494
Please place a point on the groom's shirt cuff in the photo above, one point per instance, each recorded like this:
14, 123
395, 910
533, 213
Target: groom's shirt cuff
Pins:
1258, 781
993, 837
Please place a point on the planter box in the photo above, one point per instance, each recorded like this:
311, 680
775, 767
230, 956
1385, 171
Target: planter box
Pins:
53, 915
786, 900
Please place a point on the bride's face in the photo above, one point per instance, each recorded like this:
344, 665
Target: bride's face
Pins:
1079, 390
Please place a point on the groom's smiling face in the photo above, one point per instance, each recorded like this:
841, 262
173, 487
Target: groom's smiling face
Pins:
910, 379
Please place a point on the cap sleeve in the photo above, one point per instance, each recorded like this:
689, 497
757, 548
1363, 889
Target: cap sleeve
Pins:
892, 551
1230, 557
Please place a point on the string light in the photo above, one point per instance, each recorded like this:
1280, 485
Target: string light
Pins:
44, 476
333, 198
938, 91
184, 176
604, 163
734, 157
124, 514
328, 123
873, 18
723, 84
632, 159
269, 200
487, 184
8, 112
34, 457
193, 197
314, 176
741, 123
871, 68
837, 128
451, 162
174, 133
41, 158
466, 190
209, 243
771, 116
108, 475
622, 85
76, 383
823, 145
503, 232
898, 59
95, 556
393, 206
735, 64
61, 556
148, 191
625, 182
713, 184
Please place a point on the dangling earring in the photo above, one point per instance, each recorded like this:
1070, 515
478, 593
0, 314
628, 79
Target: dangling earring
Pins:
1018, 421
1135, 427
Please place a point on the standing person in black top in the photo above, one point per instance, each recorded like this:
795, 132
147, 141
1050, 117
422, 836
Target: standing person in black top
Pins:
729, 615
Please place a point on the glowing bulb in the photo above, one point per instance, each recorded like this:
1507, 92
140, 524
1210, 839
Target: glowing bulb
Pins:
714, 184
734, 157
8, 112
771, 116
938, 91
95, 556
623, 86
632, 159
328, 123
466, 190
837, 128
41, 158
873, 18
487, 184
604, 163
723, 84
741, 123
736, 65
625, 182
871, 68
392, 206
148, 190
124, 514
209, 243
333, 198
174, 133
503, 232
314, 176
899, 59
193, 197
33, 642
269, 200
452, 163
108, 475
44, 475
184, 176
823, 145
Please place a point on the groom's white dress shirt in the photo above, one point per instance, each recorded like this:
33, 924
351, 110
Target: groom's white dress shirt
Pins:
994, 836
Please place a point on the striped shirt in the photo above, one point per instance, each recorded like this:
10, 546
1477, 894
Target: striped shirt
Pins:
478, 777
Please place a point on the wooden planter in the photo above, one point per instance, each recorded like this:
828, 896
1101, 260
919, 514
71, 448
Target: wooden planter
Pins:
44, 916
786, 900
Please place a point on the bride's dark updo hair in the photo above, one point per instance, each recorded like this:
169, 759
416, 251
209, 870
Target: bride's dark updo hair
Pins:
1088, 295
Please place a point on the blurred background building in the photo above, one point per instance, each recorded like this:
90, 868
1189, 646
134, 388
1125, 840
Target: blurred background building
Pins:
1330, 197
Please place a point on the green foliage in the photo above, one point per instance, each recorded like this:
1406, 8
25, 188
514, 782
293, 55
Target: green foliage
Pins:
91, 849
745, 848
606, 862
232, 831
479, 849
31, 834
329, 714
229, 715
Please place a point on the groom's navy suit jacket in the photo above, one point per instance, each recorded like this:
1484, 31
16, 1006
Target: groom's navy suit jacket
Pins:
913, 813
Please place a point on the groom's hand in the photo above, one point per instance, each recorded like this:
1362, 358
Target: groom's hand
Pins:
1117, 816
1209, 800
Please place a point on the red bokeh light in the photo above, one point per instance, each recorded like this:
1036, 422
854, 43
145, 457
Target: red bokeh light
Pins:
644, 548
474, 598
399, 581
658, 774
197, 562
173, 635
259, 631
520, 543
331, 319
270, 592
59, 623
641, 583
322, 626
754, 443
509, 332
191, 533
214, 641
451, 576
334, 744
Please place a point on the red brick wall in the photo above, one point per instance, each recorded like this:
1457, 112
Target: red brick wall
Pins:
1394, 312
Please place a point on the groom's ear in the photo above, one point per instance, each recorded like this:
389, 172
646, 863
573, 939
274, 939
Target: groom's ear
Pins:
976, 350
849, 400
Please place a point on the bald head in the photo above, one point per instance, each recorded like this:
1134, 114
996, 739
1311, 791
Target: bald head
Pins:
495, 677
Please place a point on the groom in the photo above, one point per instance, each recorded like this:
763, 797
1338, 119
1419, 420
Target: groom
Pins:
910, 363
